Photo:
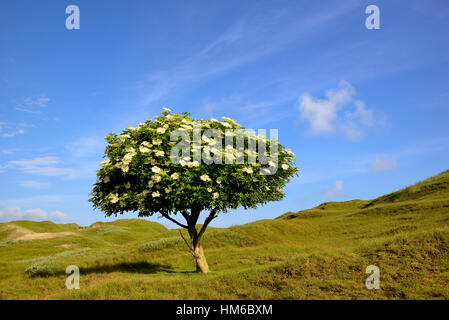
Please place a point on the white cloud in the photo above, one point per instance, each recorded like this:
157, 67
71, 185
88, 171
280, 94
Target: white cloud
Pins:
14, 133
34, 184
58, 215
43, 166
16, 213
42, 161
35, 215
384, 164
335, 191
8, 130
33, 105
326, 115
50, 166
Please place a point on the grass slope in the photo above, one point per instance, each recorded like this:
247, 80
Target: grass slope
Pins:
320, 253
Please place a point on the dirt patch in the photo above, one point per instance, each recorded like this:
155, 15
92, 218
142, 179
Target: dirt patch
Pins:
37, 236
13, 232
16, 233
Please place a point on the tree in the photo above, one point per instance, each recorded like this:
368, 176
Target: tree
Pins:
176, 166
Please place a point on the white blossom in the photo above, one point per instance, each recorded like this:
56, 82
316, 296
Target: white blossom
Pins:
144, 149
205, 178
114, 198
156, 194
161, 130
247, 170
156, 169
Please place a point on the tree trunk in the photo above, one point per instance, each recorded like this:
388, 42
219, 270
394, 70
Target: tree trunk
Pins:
200, 258
195, 237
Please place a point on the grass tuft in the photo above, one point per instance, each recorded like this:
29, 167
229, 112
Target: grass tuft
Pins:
45, 268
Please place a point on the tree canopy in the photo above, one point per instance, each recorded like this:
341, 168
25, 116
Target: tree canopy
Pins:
138, 174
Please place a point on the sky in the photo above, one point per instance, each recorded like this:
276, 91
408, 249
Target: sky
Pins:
365, 110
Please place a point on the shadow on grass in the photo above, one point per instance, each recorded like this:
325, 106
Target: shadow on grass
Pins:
124, 267
129, 267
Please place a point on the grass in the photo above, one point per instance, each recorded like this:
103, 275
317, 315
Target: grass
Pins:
319, 253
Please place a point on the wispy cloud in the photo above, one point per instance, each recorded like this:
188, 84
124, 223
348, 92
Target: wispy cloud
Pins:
8, 130
245, 41
334, 192
386, 164
49, 200
33, 105
34, 184
7, 151
13, 133
251, 113
42, 166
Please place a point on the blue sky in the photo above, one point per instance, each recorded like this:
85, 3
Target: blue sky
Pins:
365, 111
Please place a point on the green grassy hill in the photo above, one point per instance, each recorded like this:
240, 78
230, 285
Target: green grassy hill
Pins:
320, 253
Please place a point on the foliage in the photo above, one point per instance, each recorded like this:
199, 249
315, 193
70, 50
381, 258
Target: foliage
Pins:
140, 172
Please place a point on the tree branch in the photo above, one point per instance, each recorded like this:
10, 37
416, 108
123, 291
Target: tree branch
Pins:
173, 220
188, 246
211, 217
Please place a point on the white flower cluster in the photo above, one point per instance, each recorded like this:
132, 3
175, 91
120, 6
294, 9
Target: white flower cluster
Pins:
131, 152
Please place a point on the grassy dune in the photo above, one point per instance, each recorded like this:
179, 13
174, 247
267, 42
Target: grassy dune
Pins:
320, 253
